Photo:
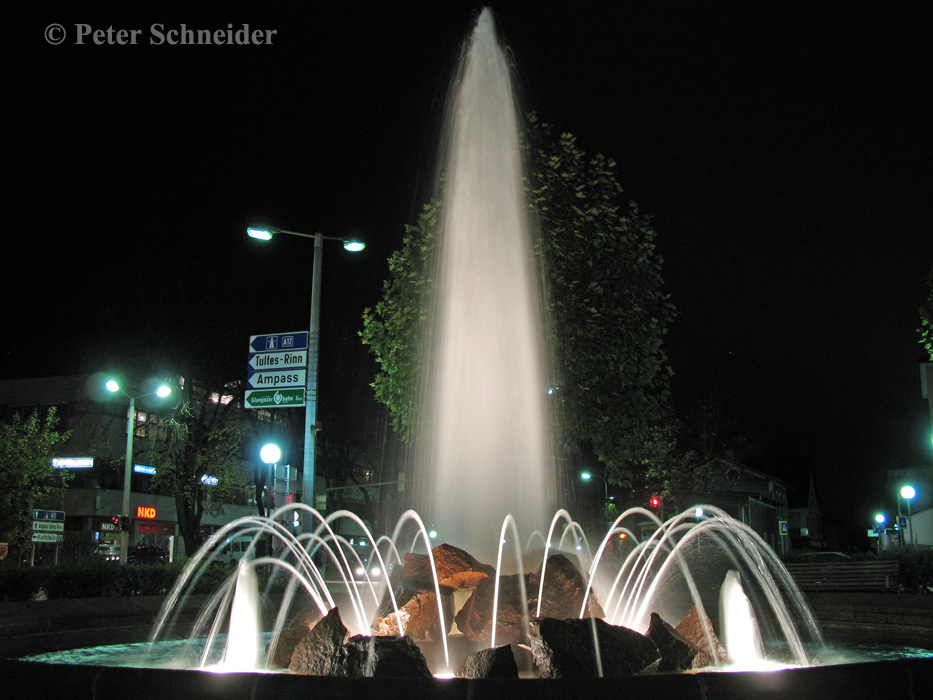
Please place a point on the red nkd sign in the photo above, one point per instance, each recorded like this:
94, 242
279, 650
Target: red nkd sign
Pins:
147, 512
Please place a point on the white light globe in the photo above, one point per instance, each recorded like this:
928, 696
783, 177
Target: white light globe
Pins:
270, 454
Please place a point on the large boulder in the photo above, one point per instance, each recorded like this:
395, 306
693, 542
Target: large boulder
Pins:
677, 653
475, 618
562, 598
321, 651
578, 648
491, 663
698, 630
564, 587
327, 650
385, 657
292, 633
456, 568
419, 615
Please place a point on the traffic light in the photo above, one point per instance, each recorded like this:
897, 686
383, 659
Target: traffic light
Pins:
124, 523
655, 502
115, 521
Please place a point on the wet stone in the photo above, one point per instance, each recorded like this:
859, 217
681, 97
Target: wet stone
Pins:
491, 663
677, 653
321, 651
566, 649
698, 630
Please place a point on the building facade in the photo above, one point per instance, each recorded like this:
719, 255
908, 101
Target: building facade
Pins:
95, 453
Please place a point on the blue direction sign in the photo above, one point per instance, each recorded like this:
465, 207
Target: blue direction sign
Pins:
48, 515
281, 379
265, 361
279, 342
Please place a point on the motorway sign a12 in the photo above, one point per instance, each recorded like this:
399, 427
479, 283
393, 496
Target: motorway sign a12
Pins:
48, 515
278, 342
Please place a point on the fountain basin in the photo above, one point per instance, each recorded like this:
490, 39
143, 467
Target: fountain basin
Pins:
906, 679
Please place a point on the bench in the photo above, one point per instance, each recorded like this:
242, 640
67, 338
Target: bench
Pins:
845, 575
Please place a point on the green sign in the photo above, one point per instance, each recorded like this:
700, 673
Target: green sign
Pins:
274, 398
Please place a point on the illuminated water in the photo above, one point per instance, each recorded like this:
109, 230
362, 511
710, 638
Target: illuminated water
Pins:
488, 453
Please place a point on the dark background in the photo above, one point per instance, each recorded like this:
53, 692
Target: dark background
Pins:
782, 148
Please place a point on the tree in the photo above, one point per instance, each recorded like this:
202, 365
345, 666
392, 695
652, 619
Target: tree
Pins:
198, 457
27, 477
607, 308
926, 319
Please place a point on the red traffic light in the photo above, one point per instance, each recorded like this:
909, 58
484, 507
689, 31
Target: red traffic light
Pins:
655, 502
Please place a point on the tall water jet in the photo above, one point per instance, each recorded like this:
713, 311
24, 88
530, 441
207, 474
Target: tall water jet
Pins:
487, 453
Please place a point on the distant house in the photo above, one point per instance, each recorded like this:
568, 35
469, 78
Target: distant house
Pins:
805, 523
753, 497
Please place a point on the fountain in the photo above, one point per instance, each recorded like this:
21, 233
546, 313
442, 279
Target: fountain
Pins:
488, 439
485, 398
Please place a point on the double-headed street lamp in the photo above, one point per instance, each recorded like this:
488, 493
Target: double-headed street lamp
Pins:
314, 333
162, 391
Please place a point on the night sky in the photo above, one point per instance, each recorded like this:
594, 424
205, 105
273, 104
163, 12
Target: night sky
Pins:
782, 150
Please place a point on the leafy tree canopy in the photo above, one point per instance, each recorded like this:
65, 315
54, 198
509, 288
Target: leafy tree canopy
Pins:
926, 319
197, 457
607, 309
27, 477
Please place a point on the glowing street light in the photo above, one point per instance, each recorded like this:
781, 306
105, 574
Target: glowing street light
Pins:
113, 386
314, 333
586, 476
908, 493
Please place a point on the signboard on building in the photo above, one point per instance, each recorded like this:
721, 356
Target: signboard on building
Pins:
73, 462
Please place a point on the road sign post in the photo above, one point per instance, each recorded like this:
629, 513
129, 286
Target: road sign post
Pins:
277, 370
47, 526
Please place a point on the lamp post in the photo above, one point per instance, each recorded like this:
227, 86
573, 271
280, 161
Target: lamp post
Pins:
908, 493
314, 333
586, 476
114, 387
270, 454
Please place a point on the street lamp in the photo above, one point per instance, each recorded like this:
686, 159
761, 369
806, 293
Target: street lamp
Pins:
586, 476
908, 493
314, 332
162, 391
270, 454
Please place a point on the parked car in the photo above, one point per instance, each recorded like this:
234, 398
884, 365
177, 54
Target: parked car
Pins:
144, 554
109, 551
